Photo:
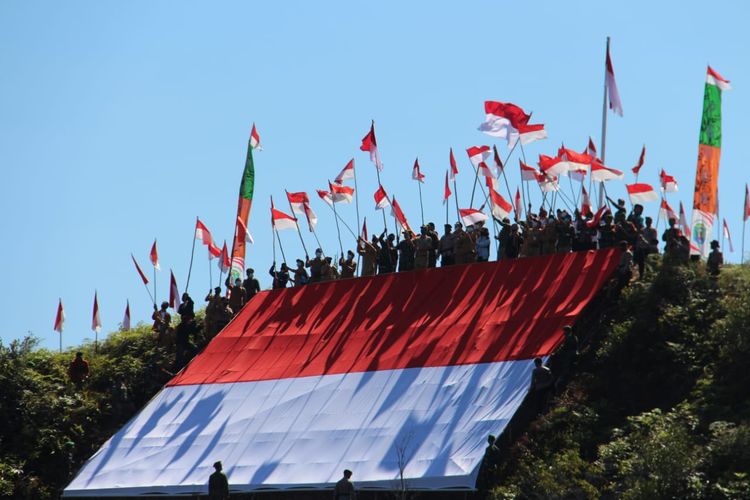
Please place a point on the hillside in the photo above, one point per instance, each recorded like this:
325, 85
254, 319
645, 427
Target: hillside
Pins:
657, 407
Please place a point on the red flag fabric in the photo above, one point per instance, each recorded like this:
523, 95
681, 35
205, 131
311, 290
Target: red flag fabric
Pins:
668, 183
528, 173
174, 294
728, 236
224, 262
59, 318
369, 143
529, 133
154, 255
364, 229
641, 159
666, 212
454, 167
496, 158
471, 216
552, 165
341, 194
381, 199
399, 215
517, 204
501, 208
597, 217
202, 233
503, 120
126, 317
684, 226
746, 211
547, 183
447, 191
600, 173
96, 321
416, 173
614, 96
585, 203
574, 159
255, 139
280, 220
478, 154
140, 271
242, 228
485, 170
346, 173
213, 251
641, 192
591, 149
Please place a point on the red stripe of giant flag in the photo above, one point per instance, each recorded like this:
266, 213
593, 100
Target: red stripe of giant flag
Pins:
244, 203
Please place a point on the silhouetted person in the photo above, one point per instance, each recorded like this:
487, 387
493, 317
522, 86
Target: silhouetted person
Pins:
213, 312
218, 485
670, 237
488, 467
406, 252
162, 321
715, 259
344, 489
236, 295
348, 266
565, 357
300, 274
625, 267
432, 233
446, 248
316, 266
541, 384
251, 284
186, 328
369, 253
78, 370
280, 277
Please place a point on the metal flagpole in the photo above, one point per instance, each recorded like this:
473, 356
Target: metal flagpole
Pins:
192, 254
455, 198
744, 223
296, 223
604, 128
338, 230
356, 194
421, 207
281, 247
210, 272
318, 241
338, 217
380, 184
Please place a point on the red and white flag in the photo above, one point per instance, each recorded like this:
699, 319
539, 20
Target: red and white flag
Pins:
369, 143
325, 196
668, 183
600, 173
381, 199
140, 271
594, 222
398, 214
454, 167
684, 226
553, 166
574, 160
224, 263
202, 233
517, 204
496, 159
299, 202
280, 220
416, 173
485, 170
126, 318
59, 318
746, 211
530, 133
447, 191
578, 174
714, 78
478, 154
174, 294
585, 203
728, 236
501, 208
666, 212
213, 251
641, 160
591, 148
255, 139
346, 173
341, 194
471, 216
641, 193
547, 183
609, 80
506, 120
96, 320
528, 173
154, 255
242, 228
364, 229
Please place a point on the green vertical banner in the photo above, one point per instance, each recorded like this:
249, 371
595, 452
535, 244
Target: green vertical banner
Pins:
244, 203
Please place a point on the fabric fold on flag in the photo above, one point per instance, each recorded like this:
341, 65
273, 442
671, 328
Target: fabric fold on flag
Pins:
140, 271
416, 173
96, 320
471, 216
346, 173
370, 144
126, 317
154, 256
614, 95
59, 318
641, 193
447, 191
174, 293
398, 214
381, 199
454, 166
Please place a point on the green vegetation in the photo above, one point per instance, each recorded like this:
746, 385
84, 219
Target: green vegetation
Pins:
658, 406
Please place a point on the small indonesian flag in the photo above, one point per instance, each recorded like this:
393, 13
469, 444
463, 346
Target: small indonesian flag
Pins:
341, 194
224, 262
255, 139
531, 133
447, 191
609, 80
591, 148
547, 183
154, 255
666, 212
126, 318
504, 120
381, 199
641, 192
213, 251
96, 320
597, 217
243, 230
517, 204
728, 236
714, 78
641, 160
501, 208
325, 196
59, 318
485, 170
471, 216
416, 173
585, 203
684, 226
528, 173
398, 214
174, 294
298, 201
280, 220
364, 232
498, 162
746, 211
600, 173
552, 165
668, 183
454, 167
202, 233
369, 143
140, 271
346, 173
574, 160
478, 154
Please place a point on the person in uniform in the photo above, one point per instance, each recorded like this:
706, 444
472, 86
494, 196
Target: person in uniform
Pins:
315, 265
446, 248
348, 266
344, 489
406, 250
369, 252
218, 485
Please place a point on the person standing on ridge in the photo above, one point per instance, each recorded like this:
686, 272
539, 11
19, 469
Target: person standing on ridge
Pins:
348, 266
369, 253
251, 285
236, 296
315, 265
218, 484
344, 489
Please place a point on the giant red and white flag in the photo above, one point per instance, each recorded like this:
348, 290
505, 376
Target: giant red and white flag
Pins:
281, 220
684, 226
96, 320
478, 154
59, 318
174, 293
641, 160
346, 173
728, 236
416, 173
668, 183
341, 194
126, 317
454, 166
528, 173
501, 208
600, 173
242, 228
471, 216
746, 210
381, 199
666, 212
641, 193
398, 214
140, 271
154, 256
447, 191
370, 144
614, 95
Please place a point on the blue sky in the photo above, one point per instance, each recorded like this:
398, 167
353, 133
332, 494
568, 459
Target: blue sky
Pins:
120, 122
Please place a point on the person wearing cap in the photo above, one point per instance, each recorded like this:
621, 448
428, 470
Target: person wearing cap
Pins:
213, 311
406, 251
464, 246
236, 295
446, 248
715, 259
344, 489
300, 274
280, 277
423, 245
369, 253
432, 233
251, 284
328, 272
348, 266
315, 264
218, 485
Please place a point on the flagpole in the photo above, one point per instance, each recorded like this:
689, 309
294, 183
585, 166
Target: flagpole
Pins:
296, 223
338, 217
604, 111
210, 271
380, 184
281, 247
338, 229
317, 240
421, 208
155, 274
192, 254
744, 223
356, 193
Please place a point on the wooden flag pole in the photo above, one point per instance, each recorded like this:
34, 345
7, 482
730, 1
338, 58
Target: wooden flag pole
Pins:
281, 247
192, 254
356, 193
338, 229
296, 224
210, 271
421, 207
